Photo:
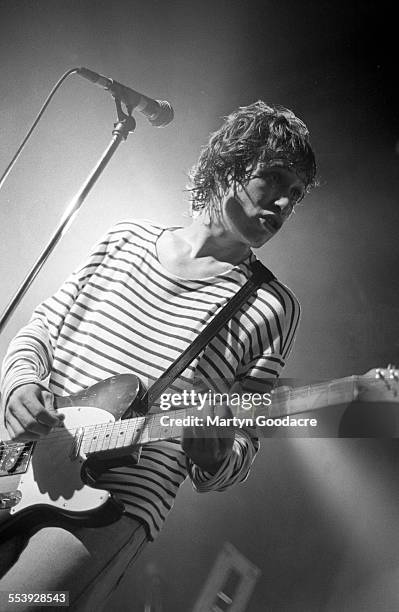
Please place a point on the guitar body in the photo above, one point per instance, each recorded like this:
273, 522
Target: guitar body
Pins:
48, 481
53, 481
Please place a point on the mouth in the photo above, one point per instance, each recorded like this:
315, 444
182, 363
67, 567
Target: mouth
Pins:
272, 222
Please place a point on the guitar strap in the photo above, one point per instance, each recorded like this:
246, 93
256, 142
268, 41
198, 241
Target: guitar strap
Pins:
260, 274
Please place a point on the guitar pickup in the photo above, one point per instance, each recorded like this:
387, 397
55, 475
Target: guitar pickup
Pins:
76, 444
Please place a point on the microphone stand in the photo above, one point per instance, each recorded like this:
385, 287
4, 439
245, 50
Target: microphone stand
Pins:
124, 126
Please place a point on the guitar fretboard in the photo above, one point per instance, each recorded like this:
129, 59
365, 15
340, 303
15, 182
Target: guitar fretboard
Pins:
152, 428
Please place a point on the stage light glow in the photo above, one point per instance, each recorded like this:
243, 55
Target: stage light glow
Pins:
355, 483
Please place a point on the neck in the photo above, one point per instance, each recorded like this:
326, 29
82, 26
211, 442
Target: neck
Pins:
209, 238
128, 433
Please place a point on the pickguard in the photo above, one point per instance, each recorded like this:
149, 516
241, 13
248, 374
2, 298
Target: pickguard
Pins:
53, 476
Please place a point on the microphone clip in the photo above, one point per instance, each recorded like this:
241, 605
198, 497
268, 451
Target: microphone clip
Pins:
126, 123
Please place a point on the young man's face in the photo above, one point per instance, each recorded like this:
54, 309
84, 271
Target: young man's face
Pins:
255, 212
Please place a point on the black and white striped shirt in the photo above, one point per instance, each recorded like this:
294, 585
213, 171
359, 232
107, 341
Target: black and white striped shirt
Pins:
122, 311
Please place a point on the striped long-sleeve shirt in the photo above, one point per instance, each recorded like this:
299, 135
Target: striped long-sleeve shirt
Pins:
122, 311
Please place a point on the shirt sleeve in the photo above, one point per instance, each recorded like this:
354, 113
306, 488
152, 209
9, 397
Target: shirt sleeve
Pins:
256, 374
29, 356
235, 468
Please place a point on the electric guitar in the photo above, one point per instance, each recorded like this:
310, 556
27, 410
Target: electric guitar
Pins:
53, 480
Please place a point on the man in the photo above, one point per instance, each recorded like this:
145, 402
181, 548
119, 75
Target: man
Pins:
141, 298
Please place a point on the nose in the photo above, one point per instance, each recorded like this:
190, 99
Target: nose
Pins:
285, 205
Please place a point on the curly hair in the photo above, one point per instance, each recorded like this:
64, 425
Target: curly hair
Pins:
258, 133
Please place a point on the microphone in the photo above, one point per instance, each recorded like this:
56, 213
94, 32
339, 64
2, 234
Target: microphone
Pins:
158, 112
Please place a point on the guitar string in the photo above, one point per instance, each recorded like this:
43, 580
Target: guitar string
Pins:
129, 426
132, 423
148, 421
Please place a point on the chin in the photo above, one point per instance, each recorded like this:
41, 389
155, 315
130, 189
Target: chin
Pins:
252, 239
256, 243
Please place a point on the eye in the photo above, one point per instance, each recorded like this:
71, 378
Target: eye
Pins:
274, 177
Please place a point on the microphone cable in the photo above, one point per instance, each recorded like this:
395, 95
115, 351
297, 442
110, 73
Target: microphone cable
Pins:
36, 121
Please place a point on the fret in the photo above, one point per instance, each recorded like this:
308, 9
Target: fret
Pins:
121, 436
157, 430
151, 430
342, 391
312, 397
176, 430
140, 432
114, 434
100, 437
163, 430
137, 431
94, 438
280, 401
130, 433
107, 436
284, 401
86, 441
306, 399
117, 436
154, 430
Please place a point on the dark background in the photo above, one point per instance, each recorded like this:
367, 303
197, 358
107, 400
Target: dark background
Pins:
318, 517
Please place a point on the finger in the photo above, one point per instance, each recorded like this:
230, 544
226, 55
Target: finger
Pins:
42, 411
187, 438
48, 400
191, 441
26, 420
192, 432
16, 431
203, 433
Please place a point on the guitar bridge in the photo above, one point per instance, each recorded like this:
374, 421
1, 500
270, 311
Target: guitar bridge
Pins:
14, 457
9, 499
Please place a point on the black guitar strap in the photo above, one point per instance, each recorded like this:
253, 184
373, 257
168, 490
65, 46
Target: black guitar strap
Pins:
260, 274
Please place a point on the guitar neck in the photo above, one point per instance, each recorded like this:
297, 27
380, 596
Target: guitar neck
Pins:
129, 433
313, 397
